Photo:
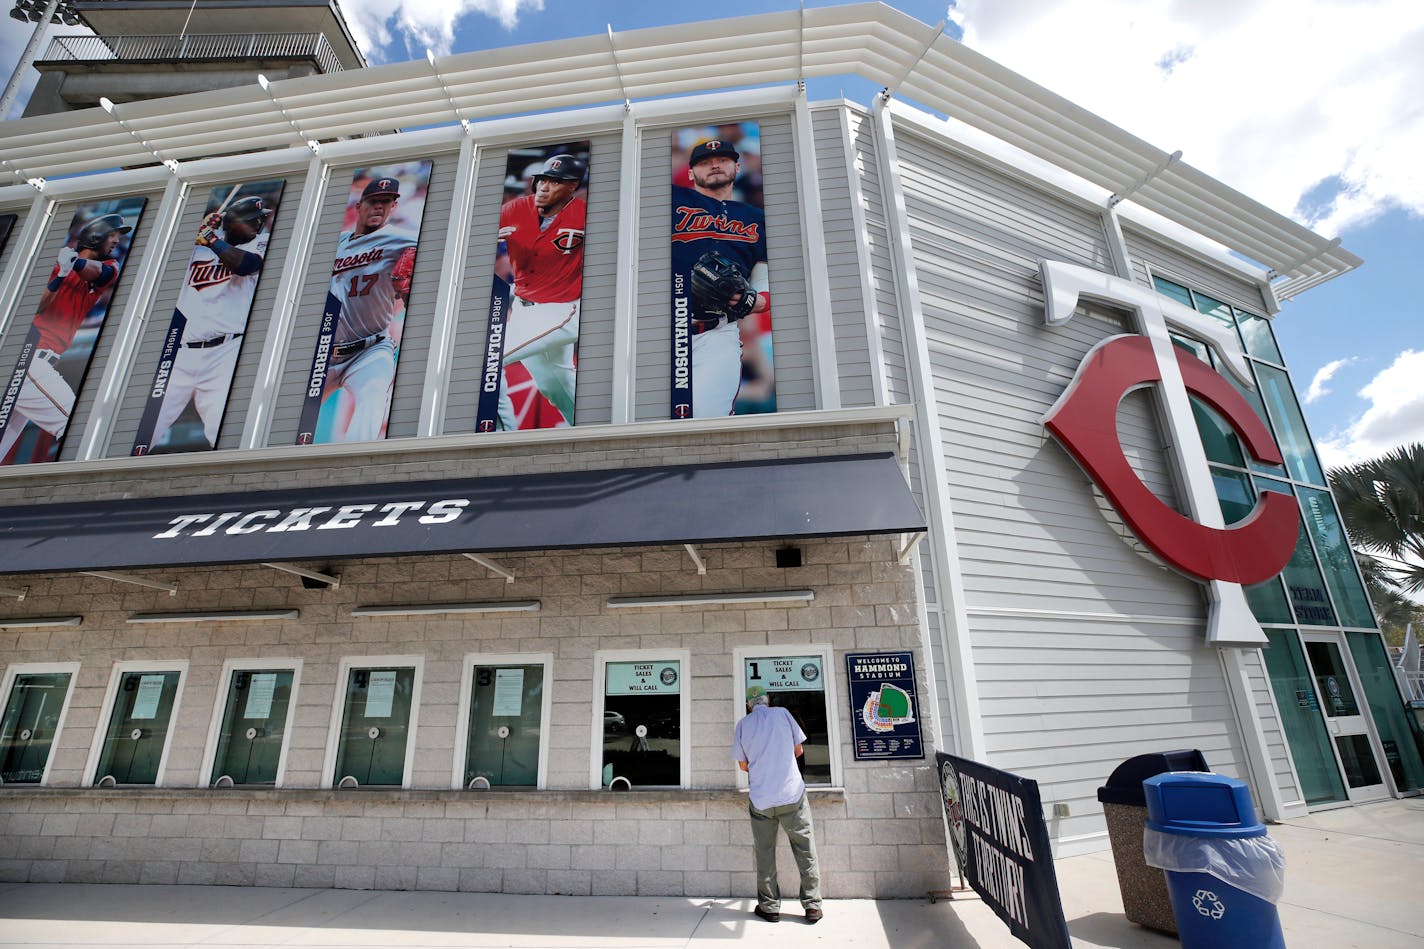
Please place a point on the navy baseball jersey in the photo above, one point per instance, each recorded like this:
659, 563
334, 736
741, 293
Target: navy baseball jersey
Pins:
701, 224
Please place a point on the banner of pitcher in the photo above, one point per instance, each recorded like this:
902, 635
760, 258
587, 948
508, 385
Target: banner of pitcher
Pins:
721, 353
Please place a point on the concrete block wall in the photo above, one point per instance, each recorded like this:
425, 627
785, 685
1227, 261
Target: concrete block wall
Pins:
880, 835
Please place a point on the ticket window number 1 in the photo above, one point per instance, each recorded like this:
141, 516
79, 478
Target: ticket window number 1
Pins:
797, 684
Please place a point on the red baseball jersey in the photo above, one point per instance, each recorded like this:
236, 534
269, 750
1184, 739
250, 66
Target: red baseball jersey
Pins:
548, 263
59, 320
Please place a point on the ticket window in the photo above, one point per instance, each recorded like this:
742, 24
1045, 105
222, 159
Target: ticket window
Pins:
506, 722
375, 727
33, 709
253, 727
798, 683
140, 722
643, 710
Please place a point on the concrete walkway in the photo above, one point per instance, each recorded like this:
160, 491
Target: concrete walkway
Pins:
1350, 876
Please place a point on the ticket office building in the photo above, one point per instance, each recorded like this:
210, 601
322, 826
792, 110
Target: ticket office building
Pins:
386, 703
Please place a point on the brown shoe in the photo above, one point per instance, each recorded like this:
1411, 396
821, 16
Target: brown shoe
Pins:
813, 915
769, 917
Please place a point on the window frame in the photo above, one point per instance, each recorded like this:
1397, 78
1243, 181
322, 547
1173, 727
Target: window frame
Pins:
210, 750
16, 669
338, 714
827, 654
467, 678
111, 693
601, 659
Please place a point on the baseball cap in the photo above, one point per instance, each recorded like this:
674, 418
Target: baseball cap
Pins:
716, 148
755, 692
388, 186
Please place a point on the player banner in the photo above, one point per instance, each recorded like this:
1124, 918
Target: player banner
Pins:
186, 402
531, 350
40, 392
1001, 844
353, 370
721, 305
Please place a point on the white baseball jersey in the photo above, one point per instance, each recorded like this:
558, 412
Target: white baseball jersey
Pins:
361, 280
214, 300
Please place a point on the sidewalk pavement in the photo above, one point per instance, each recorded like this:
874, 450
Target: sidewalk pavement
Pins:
1349, 875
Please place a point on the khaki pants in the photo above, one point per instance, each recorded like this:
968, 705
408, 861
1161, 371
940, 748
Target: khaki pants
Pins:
795, 819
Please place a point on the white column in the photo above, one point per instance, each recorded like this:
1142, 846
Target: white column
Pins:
625, 297
448, 298
813, 247
944, 554
266, 388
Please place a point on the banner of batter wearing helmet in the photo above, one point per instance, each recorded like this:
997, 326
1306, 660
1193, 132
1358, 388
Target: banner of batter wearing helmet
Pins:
186, 402
531, 348
353, 371
40, 392
721, 305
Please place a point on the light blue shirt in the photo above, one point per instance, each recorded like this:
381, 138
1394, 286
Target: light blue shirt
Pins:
766, 740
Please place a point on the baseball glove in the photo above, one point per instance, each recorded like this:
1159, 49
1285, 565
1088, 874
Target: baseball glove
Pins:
208, 231
403, 271
715, 281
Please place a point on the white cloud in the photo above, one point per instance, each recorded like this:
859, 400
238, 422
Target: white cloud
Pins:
422, 24
1281, 99
1395, 415
1322, 376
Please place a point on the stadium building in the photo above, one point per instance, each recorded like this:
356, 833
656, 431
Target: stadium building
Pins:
1014, 469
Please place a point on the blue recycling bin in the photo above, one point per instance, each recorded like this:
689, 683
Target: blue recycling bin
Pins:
1224, 875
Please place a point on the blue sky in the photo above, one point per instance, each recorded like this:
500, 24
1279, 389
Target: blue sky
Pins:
1312, 107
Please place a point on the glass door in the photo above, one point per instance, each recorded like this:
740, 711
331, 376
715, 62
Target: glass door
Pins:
1338, 689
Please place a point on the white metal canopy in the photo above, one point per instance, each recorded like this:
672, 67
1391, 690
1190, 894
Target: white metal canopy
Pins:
871, 40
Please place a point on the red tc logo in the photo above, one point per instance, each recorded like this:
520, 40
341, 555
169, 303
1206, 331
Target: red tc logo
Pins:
1084, 421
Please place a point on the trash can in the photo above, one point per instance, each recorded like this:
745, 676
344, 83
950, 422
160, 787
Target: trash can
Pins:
1144, 889
1224, 875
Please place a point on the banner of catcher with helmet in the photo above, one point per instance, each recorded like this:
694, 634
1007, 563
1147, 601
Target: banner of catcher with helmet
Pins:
184, 408
530, 366
721, 304
39, 394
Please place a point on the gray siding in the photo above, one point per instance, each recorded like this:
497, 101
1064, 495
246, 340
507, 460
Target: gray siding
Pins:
593, 399
845, 262
415, 341
21, 320
170, 284
1038, 558
1067, 717
881, 270
1145, 251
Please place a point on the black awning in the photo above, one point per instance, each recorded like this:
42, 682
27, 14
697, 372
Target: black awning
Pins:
676, 504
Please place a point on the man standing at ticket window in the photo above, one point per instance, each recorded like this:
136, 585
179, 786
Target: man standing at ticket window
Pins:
766, 745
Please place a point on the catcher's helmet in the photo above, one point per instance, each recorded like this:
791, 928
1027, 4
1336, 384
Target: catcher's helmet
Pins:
562, 168
249, 210
93, 234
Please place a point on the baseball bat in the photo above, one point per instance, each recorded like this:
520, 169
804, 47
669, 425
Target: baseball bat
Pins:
228, 200
221, 208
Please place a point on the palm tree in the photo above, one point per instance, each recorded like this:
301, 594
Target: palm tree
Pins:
1382, 504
